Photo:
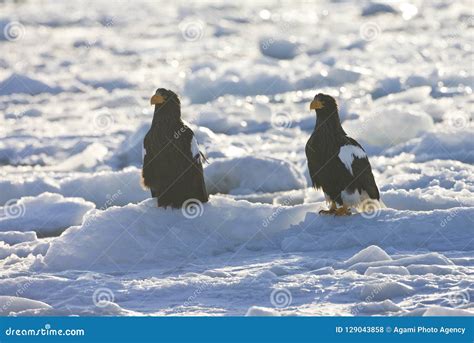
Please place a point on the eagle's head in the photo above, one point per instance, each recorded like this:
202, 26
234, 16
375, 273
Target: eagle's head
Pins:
327, 115
167, 104
323, 103
163, 96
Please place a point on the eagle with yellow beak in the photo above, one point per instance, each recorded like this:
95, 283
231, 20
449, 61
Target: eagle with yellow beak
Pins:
338, 164
172, 163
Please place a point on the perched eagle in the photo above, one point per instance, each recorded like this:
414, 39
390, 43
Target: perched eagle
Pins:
172, 164
337, 163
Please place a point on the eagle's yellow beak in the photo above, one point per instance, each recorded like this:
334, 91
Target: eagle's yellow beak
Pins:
316, 105
157, 99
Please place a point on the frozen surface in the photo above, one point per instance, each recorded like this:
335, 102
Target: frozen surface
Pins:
79, 236
47, 214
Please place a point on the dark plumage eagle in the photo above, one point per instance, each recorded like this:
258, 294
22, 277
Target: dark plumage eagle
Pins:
337, 163
172, 164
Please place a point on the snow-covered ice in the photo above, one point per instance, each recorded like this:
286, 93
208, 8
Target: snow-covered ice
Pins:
80, 236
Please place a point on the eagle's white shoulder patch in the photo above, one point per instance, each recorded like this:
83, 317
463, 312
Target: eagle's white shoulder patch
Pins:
195, 148
347, 153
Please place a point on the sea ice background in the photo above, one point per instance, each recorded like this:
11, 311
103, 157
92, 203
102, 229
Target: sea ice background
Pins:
79, 236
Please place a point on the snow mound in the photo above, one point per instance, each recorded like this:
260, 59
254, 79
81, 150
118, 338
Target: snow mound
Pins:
376, 129
324, 271
282, 49
385, 290
370, 254
15, 237
422, 269
130, 151
11, 305
403, 230
387, 86
139, 235
135, 236
395, 270
47, 214
261, 311
375, 8
445, 144
370, 308
103, 188
107, 83
246, 175
441, 311
205, 85
106, 188
18, 83
421, 259
410, 96
424, 199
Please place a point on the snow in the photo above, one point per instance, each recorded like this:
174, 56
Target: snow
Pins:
18, 83
324, 271
102, 188
278, 48
15, 237
370, 254
76, 226
385, 290
397, 270
152, 225
374, 8
443, 311
381, 307
261, 311
252, 175
9, 304
375, 128
452, 145
46, 214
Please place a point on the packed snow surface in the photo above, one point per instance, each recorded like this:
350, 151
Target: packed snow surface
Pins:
80, 236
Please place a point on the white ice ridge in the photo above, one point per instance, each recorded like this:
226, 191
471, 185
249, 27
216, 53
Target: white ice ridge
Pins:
347, 153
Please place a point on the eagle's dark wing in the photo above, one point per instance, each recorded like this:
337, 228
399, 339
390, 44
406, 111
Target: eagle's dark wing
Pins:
311, 157
149, 178
363, 177
171, 169
194, 173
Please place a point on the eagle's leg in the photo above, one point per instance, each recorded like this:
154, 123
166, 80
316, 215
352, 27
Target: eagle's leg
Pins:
342, 211
331, 210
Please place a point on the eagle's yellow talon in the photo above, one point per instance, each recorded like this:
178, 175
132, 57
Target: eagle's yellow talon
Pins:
342, 211
330, 211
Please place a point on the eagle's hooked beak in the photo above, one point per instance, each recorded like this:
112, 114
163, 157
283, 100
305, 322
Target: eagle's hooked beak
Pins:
316, 105
157, 99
